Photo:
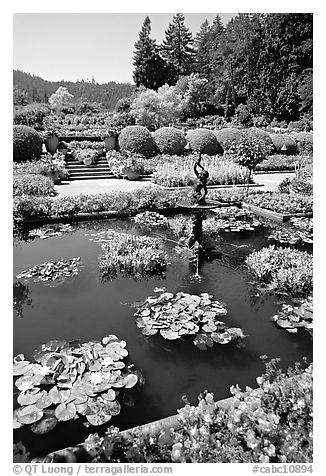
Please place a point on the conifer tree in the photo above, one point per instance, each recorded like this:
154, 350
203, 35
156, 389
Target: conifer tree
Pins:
177, 49
150, 69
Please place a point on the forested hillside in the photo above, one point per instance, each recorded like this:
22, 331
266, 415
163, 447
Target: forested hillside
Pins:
30, 88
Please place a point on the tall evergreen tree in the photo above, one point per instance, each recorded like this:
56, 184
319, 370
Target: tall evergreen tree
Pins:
150, 68
177, 49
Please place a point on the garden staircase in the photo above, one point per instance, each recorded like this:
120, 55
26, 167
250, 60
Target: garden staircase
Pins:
99, 170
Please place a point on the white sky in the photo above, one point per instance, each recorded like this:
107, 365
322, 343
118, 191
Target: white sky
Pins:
75, 46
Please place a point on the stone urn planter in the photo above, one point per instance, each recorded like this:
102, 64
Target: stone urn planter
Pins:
131, 174
51, 143
88, 161
110, 142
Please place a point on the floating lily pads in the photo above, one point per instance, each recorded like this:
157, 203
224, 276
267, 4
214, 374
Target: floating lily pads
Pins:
291, 236
50, 271
151, 219
177, 316
71, 379
48, 231
292, 318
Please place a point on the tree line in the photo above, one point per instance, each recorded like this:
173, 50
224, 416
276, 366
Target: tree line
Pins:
29, 88
260, 61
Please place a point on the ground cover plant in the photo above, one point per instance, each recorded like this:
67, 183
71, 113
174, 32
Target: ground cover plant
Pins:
271, 424
282, 270
130, 255
293, 317
180, 315
50, 271
69, 380
180, 173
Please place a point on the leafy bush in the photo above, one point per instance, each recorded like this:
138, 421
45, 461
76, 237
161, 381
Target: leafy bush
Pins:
47, 164
169, 140
31, 184
271, 424
32, 115
203, 141
136, 139
281, 203
27, 143
260, 121
283, 270
180, 173
284, 144
298, 126
304, 141
243, 115
228, 136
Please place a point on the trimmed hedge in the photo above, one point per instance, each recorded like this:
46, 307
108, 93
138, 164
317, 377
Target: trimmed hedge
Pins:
32, 184
263, 135
136, 139
281, 140
27, 143
304, 141
203, 141
32, 115
227, 136
169, 140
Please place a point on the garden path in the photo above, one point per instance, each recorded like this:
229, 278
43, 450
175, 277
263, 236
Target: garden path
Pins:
94, 187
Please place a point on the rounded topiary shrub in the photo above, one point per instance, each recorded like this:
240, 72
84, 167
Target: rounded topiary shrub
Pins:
262, 135
284, 144
136, 139
203, 141
304, 141
228, 136
32, 184
27, 143
169, 140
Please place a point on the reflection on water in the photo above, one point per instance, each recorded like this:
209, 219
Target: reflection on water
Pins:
84, 308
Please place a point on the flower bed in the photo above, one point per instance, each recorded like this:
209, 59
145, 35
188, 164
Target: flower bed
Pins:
32, 184
290, 204
282, 270
277, 162
271, 424
26, 207
180, 173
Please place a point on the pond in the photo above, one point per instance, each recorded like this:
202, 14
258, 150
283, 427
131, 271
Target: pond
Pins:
86, 308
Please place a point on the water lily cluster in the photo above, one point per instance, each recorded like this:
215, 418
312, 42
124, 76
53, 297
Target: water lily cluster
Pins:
180, 315
282, 270
68, 380
291, 317
214, 226
151, 219
49, 231
49, 271
131, 255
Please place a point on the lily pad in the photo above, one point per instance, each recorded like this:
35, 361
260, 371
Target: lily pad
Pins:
99, 418
46, 424
203, 341
29, 414
22, 368
29, 397
130, 380
169, 334
65, 412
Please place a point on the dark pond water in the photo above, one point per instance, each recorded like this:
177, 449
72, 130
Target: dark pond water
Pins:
86, 309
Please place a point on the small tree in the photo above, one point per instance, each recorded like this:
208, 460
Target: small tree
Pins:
249, 151
60, 98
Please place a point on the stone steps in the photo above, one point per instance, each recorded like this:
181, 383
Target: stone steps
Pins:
79, 171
